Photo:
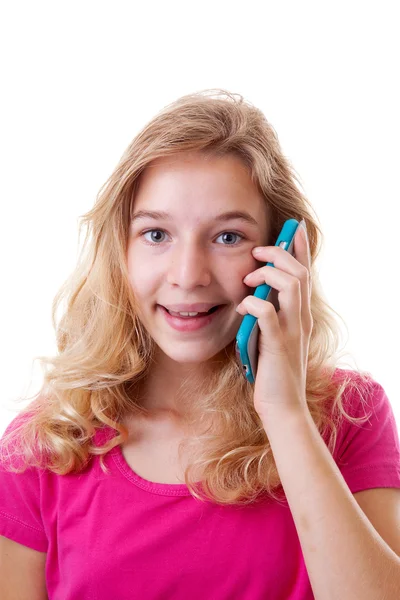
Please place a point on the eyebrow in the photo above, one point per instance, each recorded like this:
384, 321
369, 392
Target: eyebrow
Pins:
226, 216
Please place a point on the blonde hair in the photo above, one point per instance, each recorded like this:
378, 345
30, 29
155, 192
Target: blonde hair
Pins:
104, 351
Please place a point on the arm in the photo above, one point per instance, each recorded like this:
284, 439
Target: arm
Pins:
345, 557
22, 572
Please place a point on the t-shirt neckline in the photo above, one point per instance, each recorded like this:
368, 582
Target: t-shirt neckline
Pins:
163, 489
106, 433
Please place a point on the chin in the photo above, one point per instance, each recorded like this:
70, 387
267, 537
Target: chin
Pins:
183, 354
184, 357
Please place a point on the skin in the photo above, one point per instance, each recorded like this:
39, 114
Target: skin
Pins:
192, 261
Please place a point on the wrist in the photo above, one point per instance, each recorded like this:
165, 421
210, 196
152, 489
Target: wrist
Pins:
275, 415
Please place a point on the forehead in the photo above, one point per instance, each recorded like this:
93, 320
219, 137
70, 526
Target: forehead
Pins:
183, 166
198, 181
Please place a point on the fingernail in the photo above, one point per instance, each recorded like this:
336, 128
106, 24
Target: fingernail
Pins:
304, 226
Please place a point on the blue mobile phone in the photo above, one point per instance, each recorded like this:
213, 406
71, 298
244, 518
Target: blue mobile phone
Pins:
247, 337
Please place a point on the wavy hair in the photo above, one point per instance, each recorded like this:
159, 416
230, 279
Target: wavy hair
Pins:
104, 351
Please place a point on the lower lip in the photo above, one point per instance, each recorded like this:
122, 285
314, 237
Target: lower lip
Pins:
190, 323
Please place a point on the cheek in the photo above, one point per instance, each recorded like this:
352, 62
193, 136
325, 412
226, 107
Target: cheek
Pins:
142, 281
140, 276
143, 291
139, 273
234, 282
247, 266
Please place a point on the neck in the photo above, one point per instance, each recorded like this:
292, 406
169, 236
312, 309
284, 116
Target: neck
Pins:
171, 388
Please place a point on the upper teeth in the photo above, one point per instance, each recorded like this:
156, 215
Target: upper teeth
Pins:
184, 314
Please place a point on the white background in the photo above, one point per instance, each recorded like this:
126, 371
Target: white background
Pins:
80, 79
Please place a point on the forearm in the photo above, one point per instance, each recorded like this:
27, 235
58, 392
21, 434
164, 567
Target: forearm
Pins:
346, 558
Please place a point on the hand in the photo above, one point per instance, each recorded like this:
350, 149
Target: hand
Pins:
285, 335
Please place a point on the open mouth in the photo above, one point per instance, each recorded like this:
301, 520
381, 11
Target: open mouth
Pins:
188, 323
200, 314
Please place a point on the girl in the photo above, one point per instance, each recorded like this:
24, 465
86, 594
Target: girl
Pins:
147, 466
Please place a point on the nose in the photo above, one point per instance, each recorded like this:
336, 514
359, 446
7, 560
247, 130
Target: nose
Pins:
189, 266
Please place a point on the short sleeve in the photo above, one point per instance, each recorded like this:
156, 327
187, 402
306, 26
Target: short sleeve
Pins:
20, 501
368, 453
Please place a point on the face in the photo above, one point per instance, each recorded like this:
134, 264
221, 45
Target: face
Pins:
193, 254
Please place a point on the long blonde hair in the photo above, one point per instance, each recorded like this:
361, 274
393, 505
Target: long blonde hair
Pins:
104, 351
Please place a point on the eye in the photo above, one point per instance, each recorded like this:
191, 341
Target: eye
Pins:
229, 234
152, 241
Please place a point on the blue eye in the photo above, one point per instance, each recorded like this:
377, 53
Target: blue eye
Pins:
230, 233
155, 242
151, 231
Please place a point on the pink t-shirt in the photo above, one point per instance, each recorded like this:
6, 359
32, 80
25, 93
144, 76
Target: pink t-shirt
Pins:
121, 537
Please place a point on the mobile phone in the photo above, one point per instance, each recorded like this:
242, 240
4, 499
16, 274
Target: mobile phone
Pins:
247, 337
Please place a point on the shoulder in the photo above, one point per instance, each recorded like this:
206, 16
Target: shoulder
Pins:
362, 396
367, 447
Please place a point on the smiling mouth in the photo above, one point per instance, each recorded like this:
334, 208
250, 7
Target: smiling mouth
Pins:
189, 323
199, 314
